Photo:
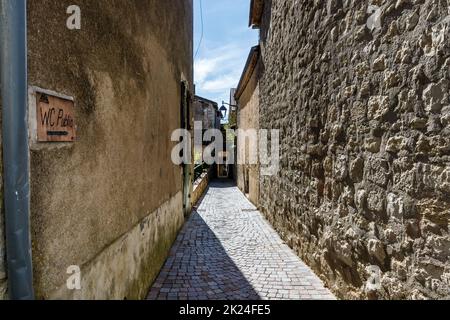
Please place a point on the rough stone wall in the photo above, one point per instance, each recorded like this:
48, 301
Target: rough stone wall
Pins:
205, 112
363, 105
247, 119
124, 69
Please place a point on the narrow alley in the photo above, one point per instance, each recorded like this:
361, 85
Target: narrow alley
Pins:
227, 250
224, 150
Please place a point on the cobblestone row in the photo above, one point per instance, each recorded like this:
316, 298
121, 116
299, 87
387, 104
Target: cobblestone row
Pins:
228, 251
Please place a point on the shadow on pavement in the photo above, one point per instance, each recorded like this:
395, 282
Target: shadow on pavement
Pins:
199, 268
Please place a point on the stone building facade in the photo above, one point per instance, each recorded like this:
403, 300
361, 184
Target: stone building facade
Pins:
247, 97
360, 92
112, 201
207, 112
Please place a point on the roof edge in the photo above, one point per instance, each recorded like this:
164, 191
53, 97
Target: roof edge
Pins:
256, 11
249, 68
206, 100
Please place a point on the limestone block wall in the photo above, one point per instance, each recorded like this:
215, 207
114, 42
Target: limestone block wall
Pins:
360, 92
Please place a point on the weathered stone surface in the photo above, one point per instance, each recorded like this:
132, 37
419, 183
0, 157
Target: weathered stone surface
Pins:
395, 144
229, 252
376, 250
357, 170
435, 211
2, 263
120, 270
412, 21
376, 201
375, 79
433, 95
395, 206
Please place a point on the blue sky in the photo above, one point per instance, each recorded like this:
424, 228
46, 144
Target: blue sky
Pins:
227, 40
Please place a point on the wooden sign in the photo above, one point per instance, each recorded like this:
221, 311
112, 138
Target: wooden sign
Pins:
55, 119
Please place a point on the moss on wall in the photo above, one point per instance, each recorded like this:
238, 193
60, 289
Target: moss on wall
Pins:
363, 110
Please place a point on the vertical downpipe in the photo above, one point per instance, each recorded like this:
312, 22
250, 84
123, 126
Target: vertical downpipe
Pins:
13, 69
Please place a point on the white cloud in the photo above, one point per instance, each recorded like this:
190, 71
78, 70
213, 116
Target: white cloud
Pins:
219, 70
216, 61
224, 48
225, 82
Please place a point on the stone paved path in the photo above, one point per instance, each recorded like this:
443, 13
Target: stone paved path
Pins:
227, 251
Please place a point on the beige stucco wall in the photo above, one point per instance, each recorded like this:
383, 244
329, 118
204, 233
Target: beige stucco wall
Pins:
110, 202
206, 113
201, 185
117, 271
248, 118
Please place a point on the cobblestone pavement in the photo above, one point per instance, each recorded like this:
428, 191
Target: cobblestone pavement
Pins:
227, 251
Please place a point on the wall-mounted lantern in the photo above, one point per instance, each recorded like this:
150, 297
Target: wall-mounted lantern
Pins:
224, 109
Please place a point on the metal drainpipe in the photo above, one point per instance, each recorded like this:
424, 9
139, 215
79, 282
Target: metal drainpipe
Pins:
13, 69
